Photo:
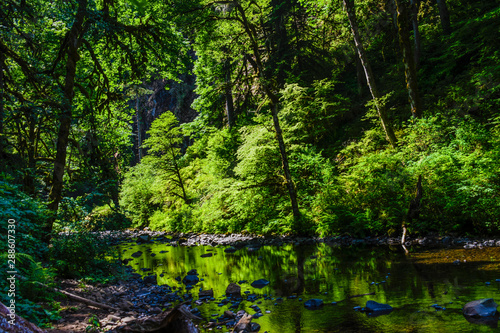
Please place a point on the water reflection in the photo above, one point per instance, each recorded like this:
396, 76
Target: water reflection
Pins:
410, 283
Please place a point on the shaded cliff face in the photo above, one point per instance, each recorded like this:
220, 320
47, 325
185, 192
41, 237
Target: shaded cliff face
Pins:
166, 95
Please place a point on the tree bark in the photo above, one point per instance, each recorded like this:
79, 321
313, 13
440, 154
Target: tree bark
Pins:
444, 15
415, 4
351, 14
228, 92
73, 41
2, 58
408, 60
274, 104
139, 127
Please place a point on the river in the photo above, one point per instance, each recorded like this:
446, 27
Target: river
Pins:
427, 288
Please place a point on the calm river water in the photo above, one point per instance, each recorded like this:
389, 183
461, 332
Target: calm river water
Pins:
411, 284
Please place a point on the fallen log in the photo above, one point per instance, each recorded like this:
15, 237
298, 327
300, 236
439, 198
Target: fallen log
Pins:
73, 296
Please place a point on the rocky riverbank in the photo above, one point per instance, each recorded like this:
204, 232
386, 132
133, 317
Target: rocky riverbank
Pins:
138, 298
240, 240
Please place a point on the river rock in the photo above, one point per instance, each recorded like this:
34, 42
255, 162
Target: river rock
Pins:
190, 279
313, 303
233, 290
206, 293
136, 254
231, 249
150, 279
481, 308
206, 255
143, 239
261, 283
372, 306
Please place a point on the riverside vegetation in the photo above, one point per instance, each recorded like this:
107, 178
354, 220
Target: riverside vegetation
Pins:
265, 117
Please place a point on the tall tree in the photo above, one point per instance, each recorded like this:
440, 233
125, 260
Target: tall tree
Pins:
408, 59
444, 15
382, 113
71, 45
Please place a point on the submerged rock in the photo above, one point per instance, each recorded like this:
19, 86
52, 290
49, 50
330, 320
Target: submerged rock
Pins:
233, 290
150, 279
206, 255
206, 293
191, 278
136, 254
231, 249
261, 283
481, 308
313, 303
372, 306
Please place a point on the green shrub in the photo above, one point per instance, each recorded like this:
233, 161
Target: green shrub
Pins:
82, 253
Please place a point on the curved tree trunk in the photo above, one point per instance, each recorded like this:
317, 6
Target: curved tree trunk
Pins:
408, 60
73, 41
351, 14
274, 103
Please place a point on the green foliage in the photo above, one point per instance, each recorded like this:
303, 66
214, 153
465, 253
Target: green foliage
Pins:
69, 260
106, 218
136, 196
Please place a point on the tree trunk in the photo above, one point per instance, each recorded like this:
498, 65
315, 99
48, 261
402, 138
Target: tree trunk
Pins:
413, 209
408, 60
228, 91
2, 58
274, 103
73, 42
284, 161
415, 4
351, 14
444, 15
139, 127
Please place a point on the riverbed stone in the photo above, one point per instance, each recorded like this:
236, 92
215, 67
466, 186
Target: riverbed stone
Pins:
150, 279
190, 280
206, 293
206, 255
233, 290
480, 308
143, 239
136, 254
372, 306
313, 303
231, 249
261, 283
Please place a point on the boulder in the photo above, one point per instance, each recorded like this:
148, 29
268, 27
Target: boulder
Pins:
261, 283
231, 249
481, 308
206, 293
143, 239
313, 303
150, 279
233, 290
136, 254
372, 306
206, 255
190, 279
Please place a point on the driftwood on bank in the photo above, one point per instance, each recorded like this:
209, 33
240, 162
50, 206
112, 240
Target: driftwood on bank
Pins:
243, 324
178, 320
73, 296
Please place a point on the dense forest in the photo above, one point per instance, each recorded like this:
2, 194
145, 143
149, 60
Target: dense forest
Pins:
267, 116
